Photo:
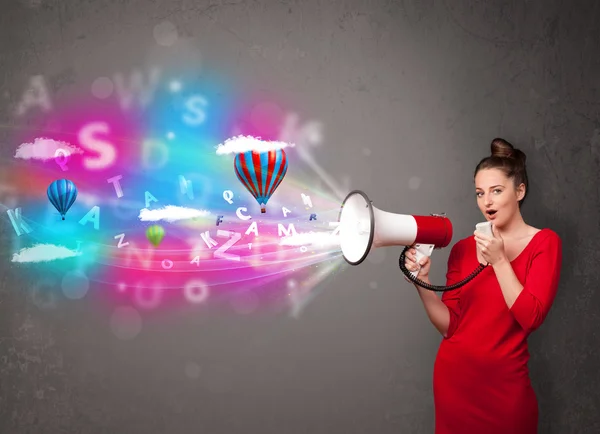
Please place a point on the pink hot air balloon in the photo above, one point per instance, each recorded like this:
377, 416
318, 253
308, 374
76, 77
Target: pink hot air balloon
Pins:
261, 173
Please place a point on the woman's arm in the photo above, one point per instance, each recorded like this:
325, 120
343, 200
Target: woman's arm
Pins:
437, 311
444, 313
530, 303
509, 283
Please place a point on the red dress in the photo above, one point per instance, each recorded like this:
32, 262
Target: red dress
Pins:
481, 379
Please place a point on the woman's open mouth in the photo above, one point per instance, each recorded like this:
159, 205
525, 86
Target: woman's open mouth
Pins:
491, 213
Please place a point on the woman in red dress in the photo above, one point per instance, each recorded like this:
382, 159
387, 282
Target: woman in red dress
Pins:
481, 381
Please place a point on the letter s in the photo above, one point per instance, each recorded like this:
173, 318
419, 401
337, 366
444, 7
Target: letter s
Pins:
106, 149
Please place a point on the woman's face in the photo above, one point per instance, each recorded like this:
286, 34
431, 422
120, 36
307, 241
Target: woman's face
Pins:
497, 197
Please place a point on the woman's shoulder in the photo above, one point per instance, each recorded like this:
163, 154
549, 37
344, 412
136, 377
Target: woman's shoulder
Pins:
546, 236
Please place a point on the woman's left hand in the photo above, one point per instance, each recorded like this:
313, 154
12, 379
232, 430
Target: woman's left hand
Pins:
491, 249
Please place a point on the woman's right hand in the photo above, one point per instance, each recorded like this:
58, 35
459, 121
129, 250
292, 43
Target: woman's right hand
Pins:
411, 264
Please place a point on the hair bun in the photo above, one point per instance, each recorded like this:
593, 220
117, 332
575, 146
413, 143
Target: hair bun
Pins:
504, 149
501, 148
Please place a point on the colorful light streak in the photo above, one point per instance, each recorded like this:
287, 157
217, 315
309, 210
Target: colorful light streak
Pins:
152, 151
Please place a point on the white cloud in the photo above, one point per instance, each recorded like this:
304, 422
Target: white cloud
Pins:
321, 239
241, 143
171, 213
45, 149
44, 253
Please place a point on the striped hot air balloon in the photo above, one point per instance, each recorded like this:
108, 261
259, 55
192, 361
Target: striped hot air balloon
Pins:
155, 234
261, 173
62, 194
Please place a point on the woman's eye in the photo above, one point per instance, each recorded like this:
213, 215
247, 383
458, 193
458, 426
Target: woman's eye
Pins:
498, 190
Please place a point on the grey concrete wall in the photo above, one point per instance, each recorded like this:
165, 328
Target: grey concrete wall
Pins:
410, 94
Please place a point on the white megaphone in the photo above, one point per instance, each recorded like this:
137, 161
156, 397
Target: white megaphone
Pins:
362, 227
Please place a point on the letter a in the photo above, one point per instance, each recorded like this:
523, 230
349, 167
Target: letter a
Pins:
150, 198
36, 95
93, 215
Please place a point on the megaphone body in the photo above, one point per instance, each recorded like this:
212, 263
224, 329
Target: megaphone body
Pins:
364, 227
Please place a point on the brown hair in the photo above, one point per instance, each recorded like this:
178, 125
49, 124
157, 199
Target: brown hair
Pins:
509, 160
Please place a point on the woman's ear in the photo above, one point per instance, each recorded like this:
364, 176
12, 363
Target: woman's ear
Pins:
521, 191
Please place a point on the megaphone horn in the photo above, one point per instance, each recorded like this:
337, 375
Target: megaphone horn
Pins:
364, 227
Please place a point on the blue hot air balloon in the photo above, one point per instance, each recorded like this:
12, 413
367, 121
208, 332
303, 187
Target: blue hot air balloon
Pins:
62, 194
261, 173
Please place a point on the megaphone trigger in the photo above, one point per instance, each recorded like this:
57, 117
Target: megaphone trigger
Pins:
422, 251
